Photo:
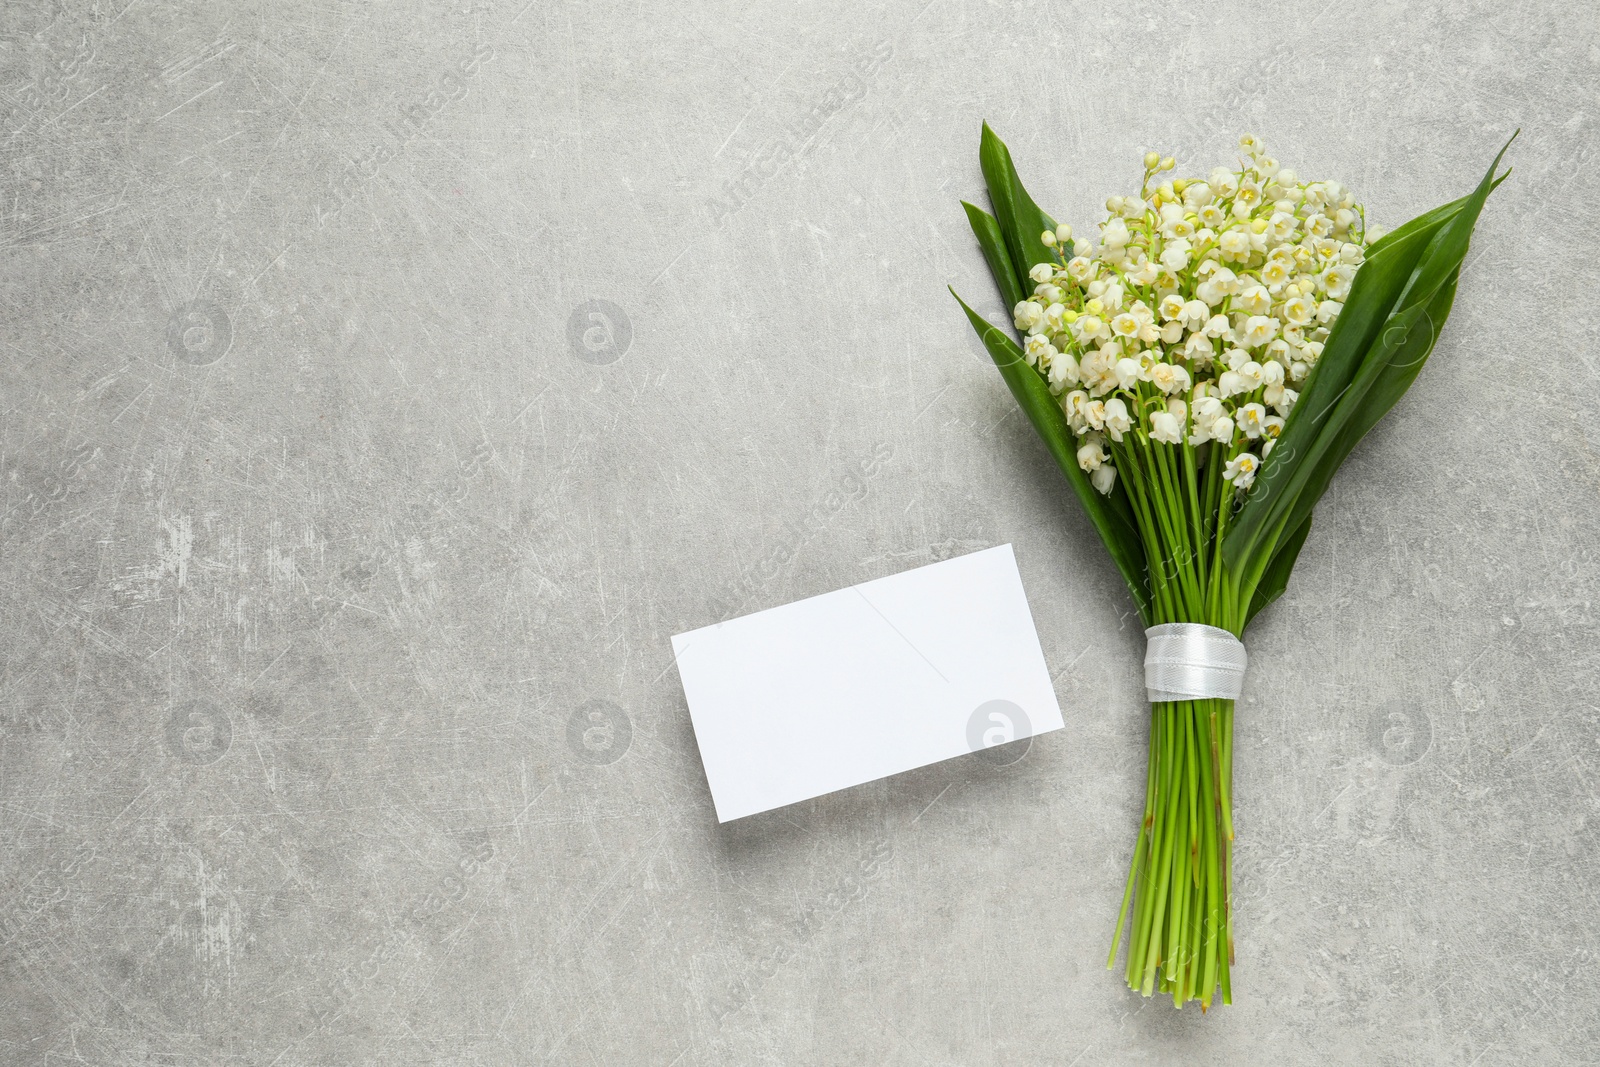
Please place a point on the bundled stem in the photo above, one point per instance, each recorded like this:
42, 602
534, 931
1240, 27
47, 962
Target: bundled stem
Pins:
1176, 905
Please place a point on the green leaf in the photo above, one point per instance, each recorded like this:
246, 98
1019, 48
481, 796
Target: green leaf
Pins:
1020, 220
993, 243
1275, 579
1111, 515
1393, 292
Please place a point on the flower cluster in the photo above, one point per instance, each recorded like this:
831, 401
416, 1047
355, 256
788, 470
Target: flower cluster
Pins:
1205, 305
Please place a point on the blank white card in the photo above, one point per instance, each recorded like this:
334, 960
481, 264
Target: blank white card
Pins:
853, 686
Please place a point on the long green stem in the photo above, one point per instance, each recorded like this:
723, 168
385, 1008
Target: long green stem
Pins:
1176, 903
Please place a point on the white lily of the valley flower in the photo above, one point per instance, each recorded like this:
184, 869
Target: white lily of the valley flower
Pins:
1027, 315
1235, 245
1197, 350
1258, 330
1103, 478
1221, 283
1169, 378
1253, 299
1192, 313
1336, 280
1089, 328
1091, 455
1038, 350
1063, 371
1166, 428
1299, 310
1175, 256
1127, 372
1241, 470
1072, 405
1251, 419
1117, 420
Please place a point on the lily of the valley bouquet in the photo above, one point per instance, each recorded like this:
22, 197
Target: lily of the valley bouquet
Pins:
1199, 369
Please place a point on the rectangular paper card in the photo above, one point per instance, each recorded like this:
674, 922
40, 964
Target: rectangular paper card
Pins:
853, 686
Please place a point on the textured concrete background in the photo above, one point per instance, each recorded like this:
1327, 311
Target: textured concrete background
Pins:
384, 383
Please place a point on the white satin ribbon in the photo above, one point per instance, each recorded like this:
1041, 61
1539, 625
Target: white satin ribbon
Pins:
1192, 661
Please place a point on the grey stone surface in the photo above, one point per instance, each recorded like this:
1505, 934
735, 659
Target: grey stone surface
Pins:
384, 383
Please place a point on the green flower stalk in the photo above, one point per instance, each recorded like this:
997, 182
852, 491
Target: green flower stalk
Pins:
1199, 374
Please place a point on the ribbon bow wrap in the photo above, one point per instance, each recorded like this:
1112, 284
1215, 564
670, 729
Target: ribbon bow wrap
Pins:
1192, 661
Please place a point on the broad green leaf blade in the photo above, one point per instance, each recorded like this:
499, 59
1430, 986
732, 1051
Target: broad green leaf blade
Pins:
1111, 515
1275, 579
1020, 220
993, 243
1403, 273
1404, 366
